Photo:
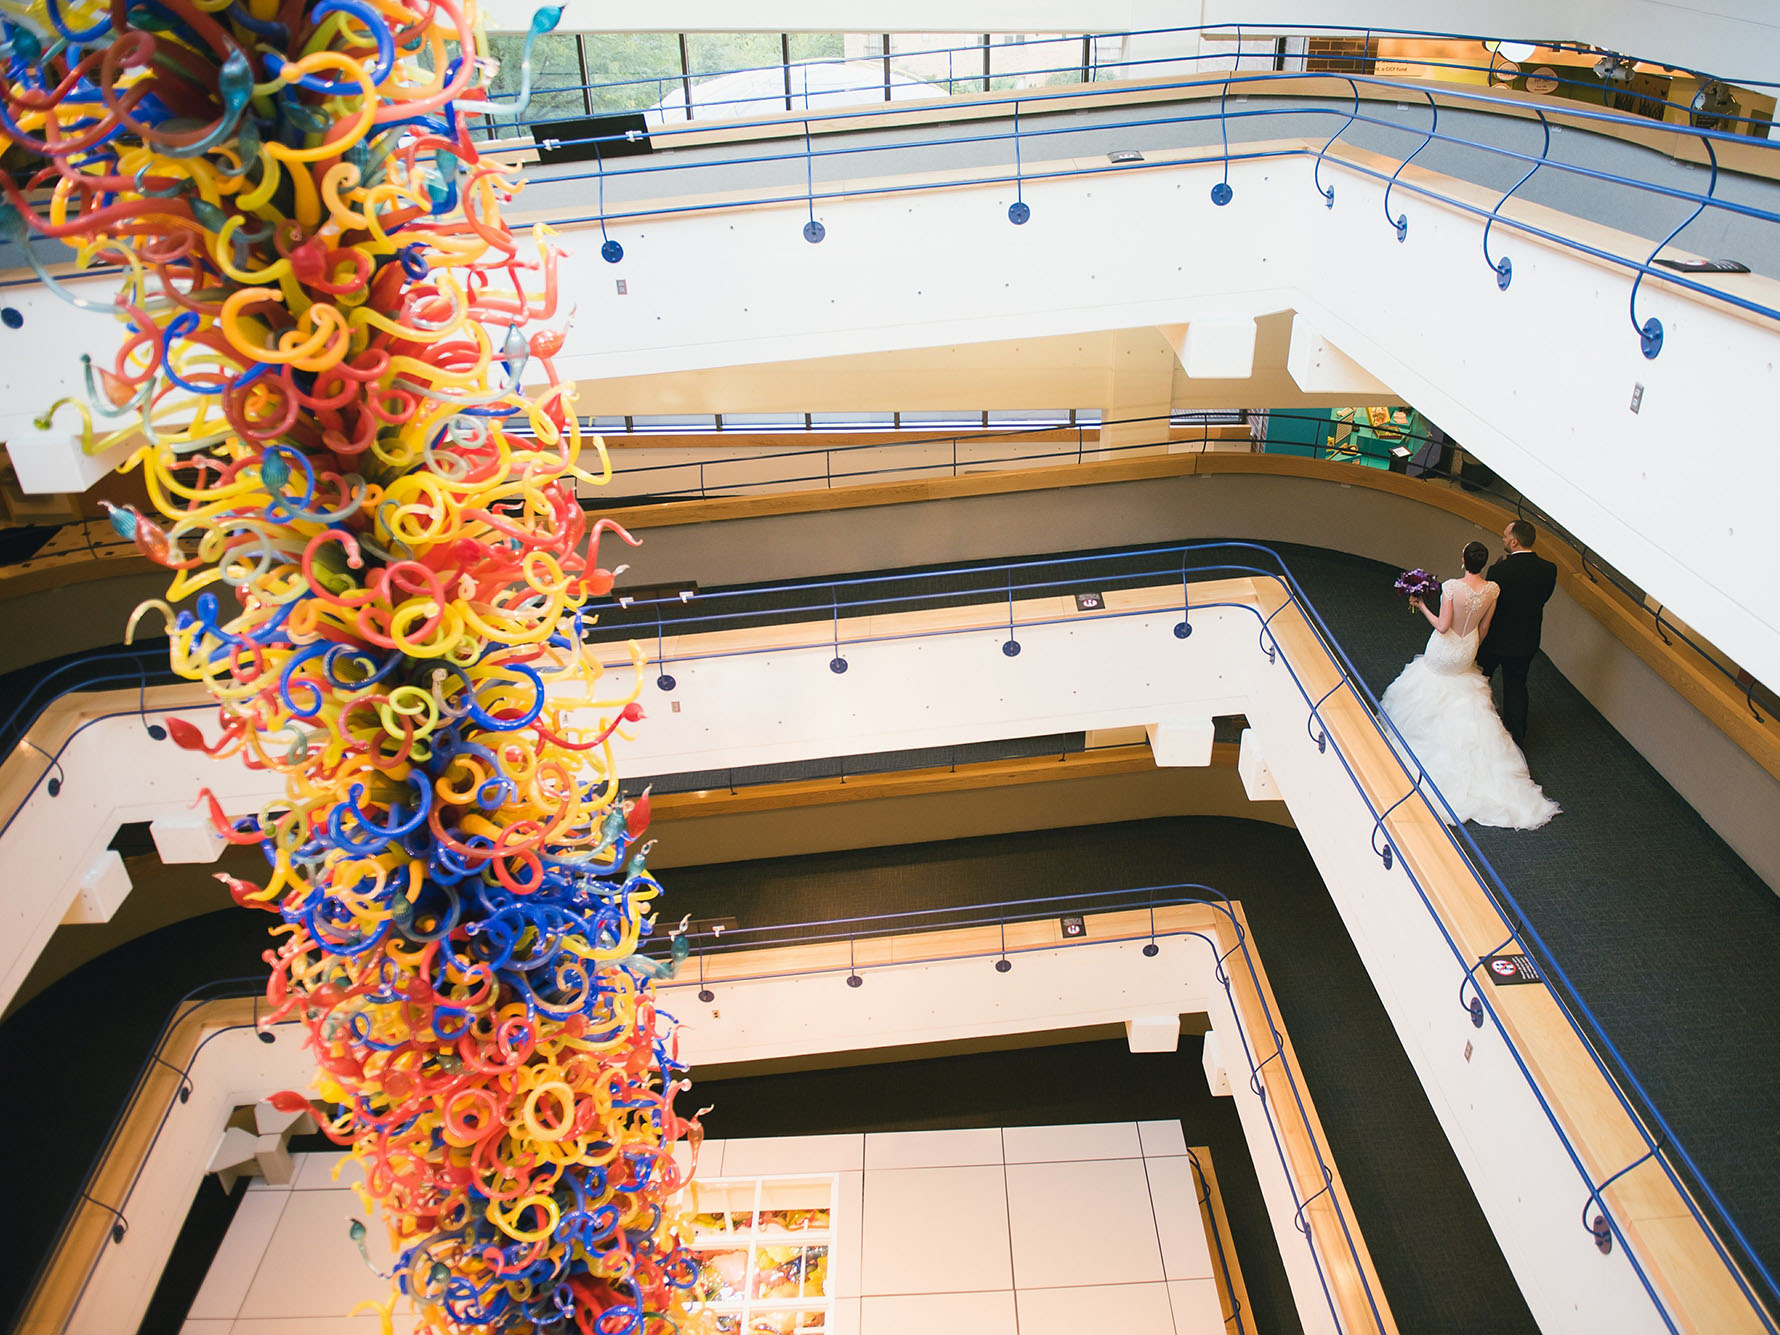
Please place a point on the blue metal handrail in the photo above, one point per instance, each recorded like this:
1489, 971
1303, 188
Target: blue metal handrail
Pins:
1051, 99
867, 926
1712, 657
219, 989
1609, 1061
1099, 66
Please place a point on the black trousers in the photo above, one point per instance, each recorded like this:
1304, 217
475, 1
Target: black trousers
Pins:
1514, 688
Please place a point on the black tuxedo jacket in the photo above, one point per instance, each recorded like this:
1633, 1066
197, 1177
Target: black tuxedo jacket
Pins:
1527, 581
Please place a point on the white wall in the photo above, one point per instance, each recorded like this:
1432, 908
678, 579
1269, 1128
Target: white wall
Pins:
1009, 1199
232, 1070
1086, 672
942, 1001
1536, 381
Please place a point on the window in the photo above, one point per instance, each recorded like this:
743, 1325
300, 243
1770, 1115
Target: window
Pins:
763, 1247
556, 78
1033, 59
764, 422
1212, 417
631, 71
852, 421
674, 423
738, 75
944, 421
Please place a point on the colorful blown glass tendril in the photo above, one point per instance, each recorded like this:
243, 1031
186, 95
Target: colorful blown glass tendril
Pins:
381, 562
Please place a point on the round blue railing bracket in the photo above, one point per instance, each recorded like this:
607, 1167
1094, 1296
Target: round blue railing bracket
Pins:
837, 665
665, 682
157, 733
1388, 856
1329, 198
611, 252
1476, 1009
1504, 272
1603, 1234
706, 995
813, 232
1011, 648
54, 787
1002, 966
1151, 951
1650, 337
1182, 630
1019, 213
1222, 194
1402, 227
12, 317
854, 980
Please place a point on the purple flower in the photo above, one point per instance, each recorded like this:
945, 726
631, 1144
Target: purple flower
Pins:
1417, 583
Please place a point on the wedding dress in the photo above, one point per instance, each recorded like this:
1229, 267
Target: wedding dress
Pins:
1442, 706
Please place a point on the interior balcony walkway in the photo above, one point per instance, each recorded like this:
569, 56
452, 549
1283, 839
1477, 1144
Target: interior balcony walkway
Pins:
1670, 939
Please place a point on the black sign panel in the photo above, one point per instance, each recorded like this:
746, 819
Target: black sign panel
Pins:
589, 137
1074, 925
1089, 602
1508, 970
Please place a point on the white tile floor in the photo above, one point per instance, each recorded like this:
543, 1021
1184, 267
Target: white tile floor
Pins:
1034, 1230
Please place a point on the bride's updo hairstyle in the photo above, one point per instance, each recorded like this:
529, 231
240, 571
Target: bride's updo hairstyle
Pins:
1476, 556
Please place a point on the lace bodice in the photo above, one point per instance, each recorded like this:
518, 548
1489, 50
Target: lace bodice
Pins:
1469, 606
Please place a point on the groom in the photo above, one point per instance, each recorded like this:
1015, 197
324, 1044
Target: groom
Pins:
1527, 581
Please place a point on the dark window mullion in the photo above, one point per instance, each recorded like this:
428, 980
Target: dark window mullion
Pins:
686, 76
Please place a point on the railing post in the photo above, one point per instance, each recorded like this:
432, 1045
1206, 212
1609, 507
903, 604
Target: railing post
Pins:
837, 664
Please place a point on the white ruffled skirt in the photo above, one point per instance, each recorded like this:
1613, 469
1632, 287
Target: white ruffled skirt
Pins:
1442, 706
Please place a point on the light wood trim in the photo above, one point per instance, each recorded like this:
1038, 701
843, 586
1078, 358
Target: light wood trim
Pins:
1687, 673
1680, 668
1754, 158
1304, 1144
54, 1300
52, 1303
924, 782
1226, 1268
1683, 670
872, 494
1675, 1251
1673, 1248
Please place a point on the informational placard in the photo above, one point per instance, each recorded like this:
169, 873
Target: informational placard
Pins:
1510, 970
1074, 925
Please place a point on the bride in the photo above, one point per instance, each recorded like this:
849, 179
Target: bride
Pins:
1441, 705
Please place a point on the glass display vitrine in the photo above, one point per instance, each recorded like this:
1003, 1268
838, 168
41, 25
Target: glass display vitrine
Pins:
763, 1246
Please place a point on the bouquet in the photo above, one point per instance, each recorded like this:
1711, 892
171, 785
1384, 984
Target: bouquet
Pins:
1417, 583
